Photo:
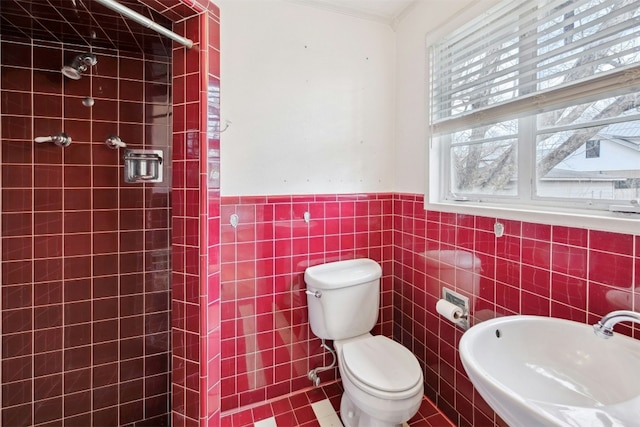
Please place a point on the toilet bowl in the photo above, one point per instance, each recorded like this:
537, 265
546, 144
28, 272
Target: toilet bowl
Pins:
382, 380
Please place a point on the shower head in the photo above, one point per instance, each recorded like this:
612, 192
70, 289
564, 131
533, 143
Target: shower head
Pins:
79, 65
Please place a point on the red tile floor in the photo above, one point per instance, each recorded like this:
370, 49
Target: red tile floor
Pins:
295, 410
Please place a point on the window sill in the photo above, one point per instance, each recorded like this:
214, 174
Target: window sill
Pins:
593, 220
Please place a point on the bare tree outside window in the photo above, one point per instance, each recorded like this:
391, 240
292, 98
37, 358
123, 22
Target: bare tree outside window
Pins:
582, 150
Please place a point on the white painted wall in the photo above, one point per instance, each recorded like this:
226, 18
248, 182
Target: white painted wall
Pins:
326, 103
426, 18
310, 94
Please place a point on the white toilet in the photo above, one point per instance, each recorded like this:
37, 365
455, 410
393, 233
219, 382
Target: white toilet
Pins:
382, 379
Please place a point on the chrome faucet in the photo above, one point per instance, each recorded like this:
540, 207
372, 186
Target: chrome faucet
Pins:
604, 328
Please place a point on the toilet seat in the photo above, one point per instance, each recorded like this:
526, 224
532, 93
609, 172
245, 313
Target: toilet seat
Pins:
382, 367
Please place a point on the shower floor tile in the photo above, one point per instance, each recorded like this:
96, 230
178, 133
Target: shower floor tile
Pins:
317, 408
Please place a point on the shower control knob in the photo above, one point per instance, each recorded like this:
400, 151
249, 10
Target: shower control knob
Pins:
60, 139
114, 142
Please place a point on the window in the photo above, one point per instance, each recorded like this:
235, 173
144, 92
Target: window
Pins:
538, 103
592, 149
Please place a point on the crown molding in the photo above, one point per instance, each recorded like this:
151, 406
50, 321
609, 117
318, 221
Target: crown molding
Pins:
391, 21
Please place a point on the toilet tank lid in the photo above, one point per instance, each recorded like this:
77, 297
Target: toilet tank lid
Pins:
342, 274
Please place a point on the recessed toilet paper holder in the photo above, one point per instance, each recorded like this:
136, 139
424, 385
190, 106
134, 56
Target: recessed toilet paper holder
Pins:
143, 165
461, 301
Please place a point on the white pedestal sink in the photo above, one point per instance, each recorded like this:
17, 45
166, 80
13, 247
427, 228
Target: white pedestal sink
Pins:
540, 371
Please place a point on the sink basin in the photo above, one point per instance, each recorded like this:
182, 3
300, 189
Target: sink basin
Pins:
541, 371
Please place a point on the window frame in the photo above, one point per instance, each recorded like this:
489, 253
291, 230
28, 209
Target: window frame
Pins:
534, 208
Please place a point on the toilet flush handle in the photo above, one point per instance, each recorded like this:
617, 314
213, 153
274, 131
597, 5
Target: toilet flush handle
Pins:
316, 294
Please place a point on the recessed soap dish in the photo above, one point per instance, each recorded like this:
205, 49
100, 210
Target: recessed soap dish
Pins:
143, 165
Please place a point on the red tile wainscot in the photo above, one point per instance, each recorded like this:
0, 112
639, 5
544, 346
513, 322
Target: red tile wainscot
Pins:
267, 346
538, 269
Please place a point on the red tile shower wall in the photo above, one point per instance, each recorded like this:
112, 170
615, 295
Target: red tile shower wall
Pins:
85, 257
267, 346
210, 378
538, 269
186, 309
196, 233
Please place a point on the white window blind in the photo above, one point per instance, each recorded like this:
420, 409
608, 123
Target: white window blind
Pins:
525, 57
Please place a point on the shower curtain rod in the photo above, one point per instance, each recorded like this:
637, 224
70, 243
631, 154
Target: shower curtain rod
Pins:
125, 11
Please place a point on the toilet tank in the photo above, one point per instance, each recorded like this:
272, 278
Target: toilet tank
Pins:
343, 298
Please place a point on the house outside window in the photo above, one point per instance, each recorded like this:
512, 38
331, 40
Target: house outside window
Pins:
538, 103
